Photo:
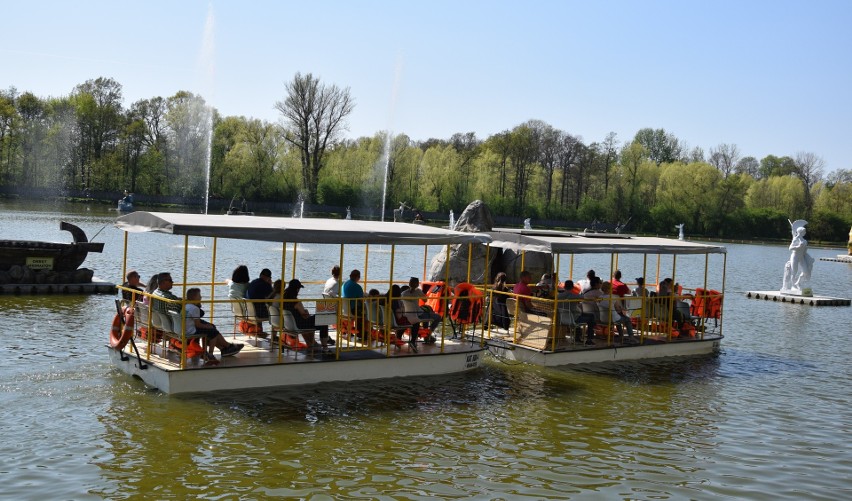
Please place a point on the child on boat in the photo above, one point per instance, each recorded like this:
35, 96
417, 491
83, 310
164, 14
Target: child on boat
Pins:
195, 324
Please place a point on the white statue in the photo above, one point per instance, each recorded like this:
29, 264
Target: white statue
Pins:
797, 271
680, 232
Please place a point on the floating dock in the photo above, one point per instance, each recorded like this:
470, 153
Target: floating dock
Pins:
841, 258
94, 287
791, 298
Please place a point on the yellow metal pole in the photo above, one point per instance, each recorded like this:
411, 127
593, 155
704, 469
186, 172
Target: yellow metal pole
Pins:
571, 271
469, 259
366, 264
425, 259
213, 279
389, 302
124, 262
446, 295
724, 279
293, 274
183, 303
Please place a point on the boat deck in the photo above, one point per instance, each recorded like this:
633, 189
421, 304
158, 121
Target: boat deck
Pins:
260, 352
641, 339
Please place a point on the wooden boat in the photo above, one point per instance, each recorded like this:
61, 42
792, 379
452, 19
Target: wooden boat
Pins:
48, 255
549, 339
370, 353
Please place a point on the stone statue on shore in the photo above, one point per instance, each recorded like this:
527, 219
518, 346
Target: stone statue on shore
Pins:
797, 271
849, 244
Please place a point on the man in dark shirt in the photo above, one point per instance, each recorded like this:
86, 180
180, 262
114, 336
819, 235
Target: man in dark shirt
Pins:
261, 288
132, 283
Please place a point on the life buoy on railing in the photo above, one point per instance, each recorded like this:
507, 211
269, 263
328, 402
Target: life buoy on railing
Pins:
118, 336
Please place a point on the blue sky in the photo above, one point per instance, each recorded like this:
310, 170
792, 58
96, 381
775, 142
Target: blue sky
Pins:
772, 77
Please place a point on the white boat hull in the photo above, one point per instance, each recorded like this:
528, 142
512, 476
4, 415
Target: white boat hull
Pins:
521, 353
293, 372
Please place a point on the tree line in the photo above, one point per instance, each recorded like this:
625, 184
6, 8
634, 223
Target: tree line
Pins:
88, 140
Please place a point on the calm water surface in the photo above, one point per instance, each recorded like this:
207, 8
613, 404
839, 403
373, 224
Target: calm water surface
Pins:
767, 419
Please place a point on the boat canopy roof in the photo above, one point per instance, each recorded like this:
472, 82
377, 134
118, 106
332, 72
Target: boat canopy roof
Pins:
557, 242
296, 230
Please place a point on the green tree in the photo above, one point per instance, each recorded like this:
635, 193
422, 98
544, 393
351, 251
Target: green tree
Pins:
662, 147
98, 104
314, 116
770, 165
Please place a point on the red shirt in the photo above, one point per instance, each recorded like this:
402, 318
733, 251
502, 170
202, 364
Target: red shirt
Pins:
619, 288
523, 289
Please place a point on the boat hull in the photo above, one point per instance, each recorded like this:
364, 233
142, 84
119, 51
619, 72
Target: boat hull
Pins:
170, 379
519, 353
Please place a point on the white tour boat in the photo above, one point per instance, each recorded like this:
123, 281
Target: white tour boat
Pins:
557, 337
283, 358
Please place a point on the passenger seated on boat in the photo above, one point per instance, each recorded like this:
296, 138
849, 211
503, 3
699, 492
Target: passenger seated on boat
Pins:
680, 316
522, 288
640, 290
164, 287
414, 313
613, 311
499, 313
304, 320
153, 283
239, 282
546, 286
397, 307
261, 288
572, 309
332, 285
586, 283
132, 282
353, 291
196, 324
619, 288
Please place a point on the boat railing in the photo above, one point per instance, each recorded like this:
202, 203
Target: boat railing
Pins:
649, 315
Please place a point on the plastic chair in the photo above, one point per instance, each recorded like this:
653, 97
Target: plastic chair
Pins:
238, 307
291, 332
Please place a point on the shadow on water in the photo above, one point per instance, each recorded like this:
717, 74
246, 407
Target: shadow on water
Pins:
651, 372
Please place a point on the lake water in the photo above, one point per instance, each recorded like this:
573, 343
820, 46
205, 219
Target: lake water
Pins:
766, 419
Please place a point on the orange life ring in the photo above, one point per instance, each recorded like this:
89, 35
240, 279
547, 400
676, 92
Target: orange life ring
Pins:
118, 337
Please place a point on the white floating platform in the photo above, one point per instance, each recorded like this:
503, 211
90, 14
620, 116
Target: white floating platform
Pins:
94, 287
841, 258
791, 298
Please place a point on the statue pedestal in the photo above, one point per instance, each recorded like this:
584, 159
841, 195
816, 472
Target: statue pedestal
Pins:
799, 299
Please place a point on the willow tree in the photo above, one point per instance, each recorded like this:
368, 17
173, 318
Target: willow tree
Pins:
314, 114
